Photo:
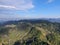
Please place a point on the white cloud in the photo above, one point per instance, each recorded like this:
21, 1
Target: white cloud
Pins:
49, 1
16, 4
5, 6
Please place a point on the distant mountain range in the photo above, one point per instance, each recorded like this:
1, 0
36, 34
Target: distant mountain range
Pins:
55, 20
49, 19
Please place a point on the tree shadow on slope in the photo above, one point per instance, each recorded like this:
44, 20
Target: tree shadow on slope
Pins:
17, 43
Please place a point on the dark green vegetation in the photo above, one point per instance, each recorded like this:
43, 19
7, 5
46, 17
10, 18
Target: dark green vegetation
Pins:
30, 32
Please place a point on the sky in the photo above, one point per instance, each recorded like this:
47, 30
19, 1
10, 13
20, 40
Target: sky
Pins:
29, 9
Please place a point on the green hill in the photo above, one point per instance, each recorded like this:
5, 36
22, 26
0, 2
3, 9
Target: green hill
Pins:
39, 32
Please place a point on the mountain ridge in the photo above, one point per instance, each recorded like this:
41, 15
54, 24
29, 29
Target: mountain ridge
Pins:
30, 32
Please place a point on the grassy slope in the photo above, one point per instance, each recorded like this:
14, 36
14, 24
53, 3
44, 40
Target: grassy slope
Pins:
36, 34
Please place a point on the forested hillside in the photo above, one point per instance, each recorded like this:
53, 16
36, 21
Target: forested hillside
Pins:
29, 32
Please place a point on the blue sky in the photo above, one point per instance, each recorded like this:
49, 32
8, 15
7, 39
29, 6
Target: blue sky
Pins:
26, 9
